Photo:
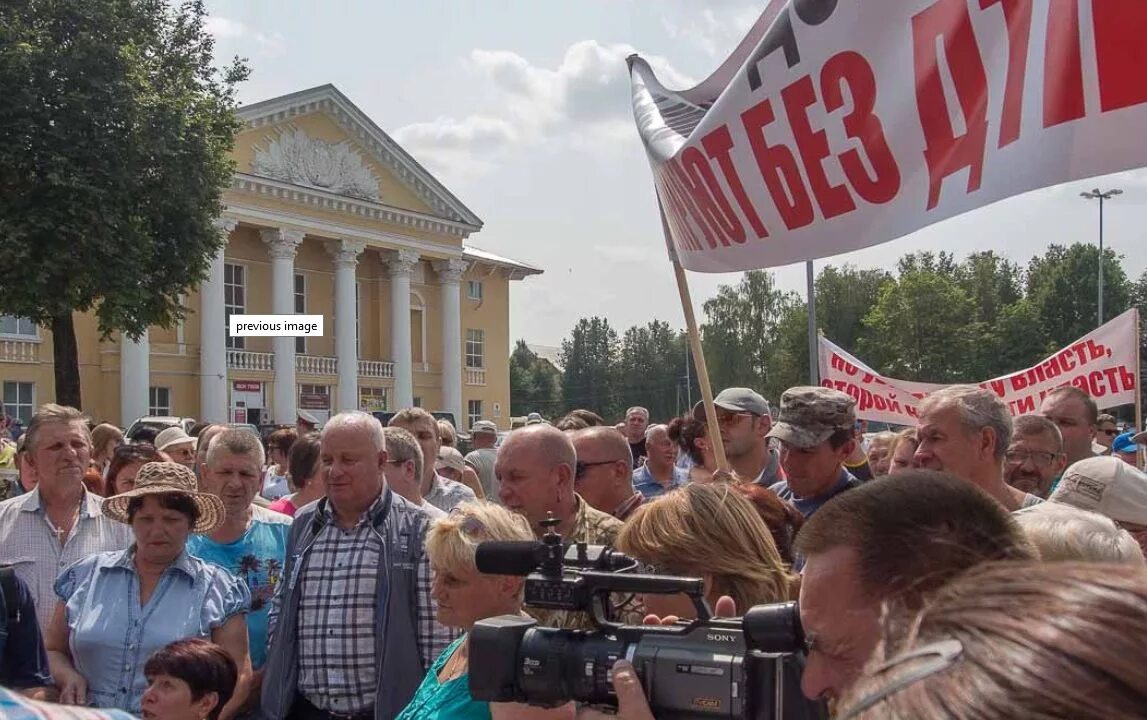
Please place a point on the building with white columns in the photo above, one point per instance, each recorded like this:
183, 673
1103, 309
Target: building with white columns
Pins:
328, 216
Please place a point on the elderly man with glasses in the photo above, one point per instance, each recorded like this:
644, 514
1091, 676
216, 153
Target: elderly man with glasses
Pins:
1034, 458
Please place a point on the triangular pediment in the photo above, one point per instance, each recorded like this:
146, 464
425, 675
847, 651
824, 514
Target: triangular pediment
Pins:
318, 139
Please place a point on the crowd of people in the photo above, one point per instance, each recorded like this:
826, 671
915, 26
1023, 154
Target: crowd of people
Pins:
976, 565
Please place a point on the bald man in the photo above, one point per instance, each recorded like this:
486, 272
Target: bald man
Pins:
606, 480
537, 469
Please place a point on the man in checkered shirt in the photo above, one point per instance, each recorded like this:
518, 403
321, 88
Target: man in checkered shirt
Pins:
352, 626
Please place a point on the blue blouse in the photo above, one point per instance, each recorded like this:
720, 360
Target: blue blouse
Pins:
450, 700
112, 637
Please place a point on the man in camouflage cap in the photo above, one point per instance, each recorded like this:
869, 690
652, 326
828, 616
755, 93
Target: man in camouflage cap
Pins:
815, 431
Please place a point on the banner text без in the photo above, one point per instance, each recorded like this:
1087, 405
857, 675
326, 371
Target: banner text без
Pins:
703, 216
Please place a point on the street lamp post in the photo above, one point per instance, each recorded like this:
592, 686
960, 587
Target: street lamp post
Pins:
1101, 196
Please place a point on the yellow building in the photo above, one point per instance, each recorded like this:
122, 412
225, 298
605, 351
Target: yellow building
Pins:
326, 213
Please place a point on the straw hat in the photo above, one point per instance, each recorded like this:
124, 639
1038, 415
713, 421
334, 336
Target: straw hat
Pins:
156, 478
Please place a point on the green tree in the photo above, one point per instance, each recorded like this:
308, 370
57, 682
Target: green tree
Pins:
843, 298
1063, 285
918, 328
740, 333
589, 362
534, 383
650, 369
115, 140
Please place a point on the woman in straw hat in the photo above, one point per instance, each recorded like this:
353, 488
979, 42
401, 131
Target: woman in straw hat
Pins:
117, 608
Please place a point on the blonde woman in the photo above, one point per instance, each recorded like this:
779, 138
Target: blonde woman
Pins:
105, 439
713, 532
464, 596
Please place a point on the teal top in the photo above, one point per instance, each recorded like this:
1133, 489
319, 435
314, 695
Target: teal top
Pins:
445, 701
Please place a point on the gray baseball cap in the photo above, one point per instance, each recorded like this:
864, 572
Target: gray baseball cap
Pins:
484, 426
735, 400
809, 415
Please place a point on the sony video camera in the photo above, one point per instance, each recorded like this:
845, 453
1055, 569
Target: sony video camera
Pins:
707, 668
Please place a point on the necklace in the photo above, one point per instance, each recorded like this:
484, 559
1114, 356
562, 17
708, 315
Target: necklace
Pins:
62, 532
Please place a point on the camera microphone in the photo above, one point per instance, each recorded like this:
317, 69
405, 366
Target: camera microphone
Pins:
509, 557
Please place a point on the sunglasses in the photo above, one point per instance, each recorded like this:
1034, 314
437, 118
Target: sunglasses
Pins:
1110, 433
581, 468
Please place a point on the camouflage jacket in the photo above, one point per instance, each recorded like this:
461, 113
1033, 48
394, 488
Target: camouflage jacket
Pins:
590, 526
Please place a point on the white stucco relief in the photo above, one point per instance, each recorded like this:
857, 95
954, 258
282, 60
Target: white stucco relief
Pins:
298, 158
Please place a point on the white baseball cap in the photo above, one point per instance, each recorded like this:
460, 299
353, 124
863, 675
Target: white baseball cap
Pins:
1106, 485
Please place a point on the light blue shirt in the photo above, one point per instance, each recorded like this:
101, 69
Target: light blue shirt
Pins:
111, 636
257, 559
644, 483
14, 706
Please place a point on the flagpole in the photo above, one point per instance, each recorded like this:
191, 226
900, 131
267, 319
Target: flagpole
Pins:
1138, 383
694, 336
813, 359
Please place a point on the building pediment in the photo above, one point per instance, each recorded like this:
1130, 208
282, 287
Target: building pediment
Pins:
317, 139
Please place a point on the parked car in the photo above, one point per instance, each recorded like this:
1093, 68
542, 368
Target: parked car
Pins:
158, 423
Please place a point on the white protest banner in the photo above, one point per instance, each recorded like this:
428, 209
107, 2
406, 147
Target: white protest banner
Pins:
1102, 364
838, 125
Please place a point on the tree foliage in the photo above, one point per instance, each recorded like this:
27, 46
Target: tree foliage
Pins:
936, 319
115, 140
534, 383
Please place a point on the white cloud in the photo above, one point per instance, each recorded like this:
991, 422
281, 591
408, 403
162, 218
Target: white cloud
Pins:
233, 31
715, 32
583, 99
458, 149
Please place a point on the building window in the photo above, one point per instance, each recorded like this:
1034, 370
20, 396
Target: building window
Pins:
473, 412
372, 399
19, 400
474, 289
18, 326
475, 355
416, 402
234, 300
300, 309
159, 401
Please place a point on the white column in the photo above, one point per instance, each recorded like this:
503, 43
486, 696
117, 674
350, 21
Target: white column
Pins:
402, 264
282, 246
213, 336
450, 277
345, 253
134, 377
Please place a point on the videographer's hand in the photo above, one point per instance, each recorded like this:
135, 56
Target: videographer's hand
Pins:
631, 703
725, 608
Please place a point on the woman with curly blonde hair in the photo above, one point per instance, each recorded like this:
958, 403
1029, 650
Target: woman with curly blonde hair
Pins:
712, 532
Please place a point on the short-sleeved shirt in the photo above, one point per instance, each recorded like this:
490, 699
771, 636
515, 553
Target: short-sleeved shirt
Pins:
482, 460
14, 706
111, 636
647, 485
28, 543
445, 494
257, 559
437, 700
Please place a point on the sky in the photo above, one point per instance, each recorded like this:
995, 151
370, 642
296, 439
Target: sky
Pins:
522, 108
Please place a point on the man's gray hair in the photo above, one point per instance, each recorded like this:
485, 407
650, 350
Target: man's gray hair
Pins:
236, 442
649, 431
1063, 533
401, 445
53, 414
979, 409
637, 409
357, 420
1036, 425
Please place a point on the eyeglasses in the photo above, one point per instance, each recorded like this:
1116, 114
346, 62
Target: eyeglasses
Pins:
1039, 459
937, 657
726, 417
581, 468
1110, 433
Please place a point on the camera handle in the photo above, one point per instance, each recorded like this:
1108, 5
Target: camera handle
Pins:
599, 585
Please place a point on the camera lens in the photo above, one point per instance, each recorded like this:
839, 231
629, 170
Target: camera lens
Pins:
557, 665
